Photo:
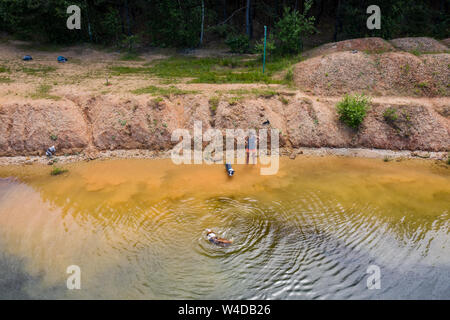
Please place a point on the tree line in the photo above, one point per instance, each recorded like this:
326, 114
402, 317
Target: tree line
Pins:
191, 23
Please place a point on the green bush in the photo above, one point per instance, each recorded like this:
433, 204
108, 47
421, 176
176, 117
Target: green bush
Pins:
291, 28
352, 110
238, 43
270, 46
221, 30
130, 43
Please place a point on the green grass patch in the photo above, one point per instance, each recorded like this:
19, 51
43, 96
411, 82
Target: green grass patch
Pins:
43, 92
231, 77
57, 171
168, 81
258, 92
158, 100
163, 91
4, 69
40, 70
5, 80
216, 70
284, 100
423, 85
234, 100
416, 52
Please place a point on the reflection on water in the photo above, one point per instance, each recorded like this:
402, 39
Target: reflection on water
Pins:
136, 229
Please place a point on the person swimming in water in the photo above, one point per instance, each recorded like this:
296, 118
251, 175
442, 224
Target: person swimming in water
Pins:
212, 237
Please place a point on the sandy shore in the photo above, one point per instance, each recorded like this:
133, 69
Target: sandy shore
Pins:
291, 153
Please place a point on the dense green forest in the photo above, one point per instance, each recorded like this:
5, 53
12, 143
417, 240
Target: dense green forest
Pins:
192, 23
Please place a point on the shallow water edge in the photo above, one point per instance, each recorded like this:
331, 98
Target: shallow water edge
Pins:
288, 152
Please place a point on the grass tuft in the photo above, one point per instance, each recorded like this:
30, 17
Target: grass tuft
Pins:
57, 171
40, 70
42, 92
163, 91
257, 92
234, 100
390, 115
5, 80
4, 69
213, 104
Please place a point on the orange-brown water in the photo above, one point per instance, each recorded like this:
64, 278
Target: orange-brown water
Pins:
136, 230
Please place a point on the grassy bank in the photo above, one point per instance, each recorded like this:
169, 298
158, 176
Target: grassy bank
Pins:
242, 69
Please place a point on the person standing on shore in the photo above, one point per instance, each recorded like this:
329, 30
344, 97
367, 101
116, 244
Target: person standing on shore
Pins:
251, 147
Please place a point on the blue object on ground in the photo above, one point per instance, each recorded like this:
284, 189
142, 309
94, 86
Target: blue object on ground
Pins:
27, 58
50, 151
62, 59
229, 169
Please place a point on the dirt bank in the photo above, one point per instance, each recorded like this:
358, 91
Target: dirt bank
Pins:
81, 108
369, 45
420, 45
90, 124
402, 67
390, 73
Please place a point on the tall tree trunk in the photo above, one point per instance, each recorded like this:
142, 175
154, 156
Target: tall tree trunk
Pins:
89, 21
127, 15
224, 8
337, 21
203, 22
319, 15
248, 19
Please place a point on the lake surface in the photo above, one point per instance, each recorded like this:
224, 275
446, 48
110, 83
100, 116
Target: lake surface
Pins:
136, 229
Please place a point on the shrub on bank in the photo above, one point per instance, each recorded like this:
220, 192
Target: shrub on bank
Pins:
352, 110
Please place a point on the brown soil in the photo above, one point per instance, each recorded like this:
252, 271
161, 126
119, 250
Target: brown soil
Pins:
446, 42
82, 114
108, 123
390, 73
370, 45
419, 44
